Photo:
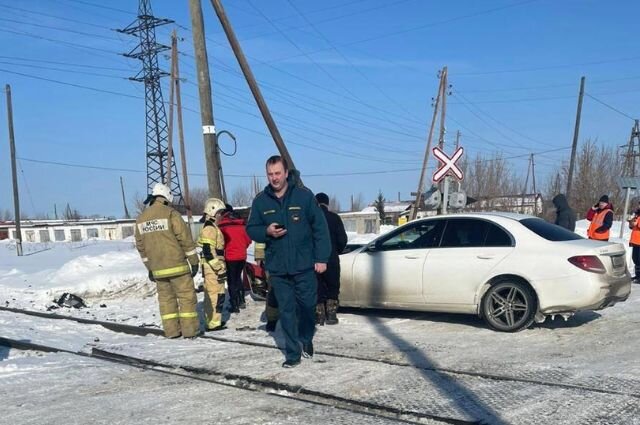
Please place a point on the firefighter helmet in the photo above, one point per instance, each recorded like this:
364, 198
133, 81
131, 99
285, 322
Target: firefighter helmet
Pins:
213, 206
163, 190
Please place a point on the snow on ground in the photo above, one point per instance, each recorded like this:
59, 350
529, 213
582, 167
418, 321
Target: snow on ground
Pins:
594, 349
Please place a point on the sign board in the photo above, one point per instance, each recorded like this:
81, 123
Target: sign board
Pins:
448, 164
629, 182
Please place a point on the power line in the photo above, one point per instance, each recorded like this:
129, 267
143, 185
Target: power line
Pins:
50, 68
65, 63
88, 34
610, 107
80, 86
544, 68
54, 16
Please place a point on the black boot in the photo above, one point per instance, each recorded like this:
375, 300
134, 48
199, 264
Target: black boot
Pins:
271, 326
320, 314
332, 310
241, 300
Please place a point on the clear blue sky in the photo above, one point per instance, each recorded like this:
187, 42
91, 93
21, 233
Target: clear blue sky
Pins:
351, 76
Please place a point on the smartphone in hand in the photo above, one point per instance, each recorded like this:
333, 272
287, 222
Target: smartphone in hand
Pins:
280, 226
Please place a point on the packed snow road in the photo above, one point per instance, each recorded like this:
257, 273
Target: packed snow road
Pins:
584, 370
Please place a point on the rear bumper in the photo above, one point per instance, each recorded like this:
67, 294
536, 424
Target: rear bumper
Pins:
585, 291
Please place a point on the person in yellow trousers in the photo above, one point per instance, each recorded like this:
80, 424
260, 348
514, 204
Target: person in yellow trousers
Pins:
213, 266
165, 244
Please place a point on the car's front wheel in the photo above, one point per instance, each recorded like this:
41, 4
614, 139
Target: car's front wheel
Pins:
509, 306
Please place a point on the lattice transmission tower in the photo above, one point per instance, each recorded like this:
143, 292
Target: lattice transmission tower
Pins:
156, 119
629, 168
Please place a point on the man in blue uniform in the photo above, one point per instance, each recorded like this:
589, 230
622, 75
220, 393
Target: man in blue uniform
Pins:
286, 217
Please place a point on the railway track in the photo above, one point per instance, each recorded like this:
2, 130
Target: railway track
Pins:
137, 330
270, 387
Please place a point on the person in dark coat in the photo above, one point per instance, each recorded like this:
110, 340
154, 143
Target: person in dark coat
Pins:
286, 217
565, 215
329, 281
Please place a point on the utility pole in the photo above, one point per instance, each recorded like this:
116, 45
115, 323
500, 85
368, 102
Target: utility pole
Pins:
535, 190
418, 200
458, 183
253, 85
445, 183
211, 154
574, 146
14, 173
172, 97
124, 201
526, 183
183, 155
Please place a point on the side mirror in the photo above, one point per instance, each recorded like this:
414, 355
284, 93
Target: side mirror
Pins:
372, 247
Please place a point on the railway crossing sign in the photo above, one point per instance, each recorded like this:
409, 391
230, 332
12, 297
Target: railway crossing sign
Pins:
448, 164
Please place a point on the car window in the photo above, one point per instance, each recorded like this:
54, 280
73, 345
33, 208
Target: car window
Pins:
549, 231
425, 234
464, 232
497, 236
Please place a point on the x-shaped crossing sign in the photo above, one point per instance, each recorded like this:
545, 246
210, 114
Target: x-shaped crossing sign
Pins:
448, 164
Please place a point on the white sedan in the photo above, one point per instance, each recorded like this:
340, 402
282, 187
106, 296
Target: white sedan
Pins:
510, 269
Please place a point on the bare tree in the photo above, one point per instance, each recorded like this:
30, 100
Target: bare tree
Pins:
357, 202
492, 181
334, 204
71, 213
138, 203
199, 197
6, 215
242, 196
379, 206
596, 170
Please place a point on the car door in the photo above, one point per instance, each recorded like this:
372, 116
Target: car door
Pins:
470, 248
389, 272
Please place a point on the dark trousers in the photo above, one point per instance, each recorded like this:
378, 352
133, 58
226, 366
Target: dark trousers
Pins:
329, 283
635, 256
234, 281
296, 295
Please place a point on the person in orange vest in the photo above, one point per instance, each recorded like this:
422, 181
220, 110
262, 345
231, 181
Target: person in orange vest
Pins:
634, 243
601, 217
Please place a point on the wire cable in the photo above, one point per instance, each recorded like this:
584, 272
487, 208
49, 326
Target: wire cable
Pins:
610, 107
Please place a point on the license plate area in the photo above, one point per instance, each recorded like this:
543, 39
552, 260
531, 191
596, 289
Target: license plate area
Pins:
617, 261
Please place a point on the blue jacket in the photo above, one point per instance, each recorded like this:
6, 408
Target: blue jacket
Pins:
307, 239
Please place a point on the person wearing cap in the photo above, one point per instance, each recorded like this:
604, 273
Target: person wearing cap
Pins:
329, 281
601, 217
286, 217
167, 249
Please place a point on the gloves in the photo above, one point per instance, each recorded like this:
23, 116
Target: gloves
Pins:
151, 278
194, 270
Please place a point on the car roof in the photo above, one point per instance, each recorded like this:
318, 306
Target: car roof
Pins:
491, 214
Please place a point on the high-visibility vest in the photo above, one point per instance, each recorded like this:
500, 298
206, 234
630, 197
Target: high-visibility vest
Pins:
596, 222
635, 232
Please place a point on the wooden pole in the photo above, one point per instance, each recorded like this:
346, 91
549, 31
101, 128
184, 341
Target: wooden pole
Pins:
14, 172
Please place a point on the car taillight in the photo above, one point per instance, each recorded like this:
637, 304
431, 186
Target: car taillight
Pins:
590, 263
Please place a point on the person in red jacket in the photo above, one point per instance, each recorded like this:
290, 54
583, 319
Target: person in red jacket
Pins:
236, 242
601, 218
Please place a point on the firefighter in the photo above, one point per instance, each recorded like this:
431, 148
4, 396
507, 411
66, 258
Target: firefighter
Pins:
165, 244
214, 268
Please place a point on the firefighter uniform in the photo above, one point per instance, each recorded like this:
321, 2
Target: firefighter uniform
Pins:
214, 270
165, 244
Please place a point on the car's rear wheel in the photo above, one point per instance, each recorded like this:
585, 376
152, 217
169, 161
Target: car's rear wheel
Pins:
509, 306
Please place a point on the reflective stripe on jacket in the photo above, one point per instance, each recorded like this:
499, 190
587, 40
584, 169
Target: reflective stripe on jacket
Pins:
212, 242
597, 222
164, 241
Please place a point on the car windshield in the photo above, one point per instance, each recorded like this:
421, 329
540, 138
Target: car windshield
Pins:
549, 231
